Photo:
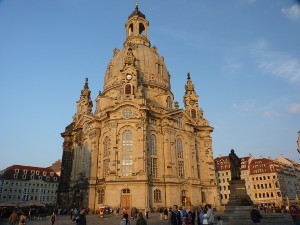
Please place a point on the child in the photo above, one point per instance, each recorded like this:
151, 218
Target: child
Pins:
220, 222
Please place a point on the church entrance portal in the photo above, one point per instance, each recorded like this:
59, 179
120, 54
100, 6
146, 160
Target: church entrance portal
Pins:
126, 199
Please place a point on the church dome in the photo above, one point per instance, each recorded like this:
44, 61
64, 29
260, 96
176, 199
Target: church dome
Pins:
137, 64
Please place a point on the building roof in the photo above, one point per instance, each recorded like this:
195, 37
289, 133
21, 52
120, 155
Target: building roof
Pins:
264, 165
222, 163
20, 172
137, 12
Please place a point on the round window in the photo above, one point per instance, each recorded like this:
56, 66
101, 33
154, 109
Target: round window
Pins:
127, 113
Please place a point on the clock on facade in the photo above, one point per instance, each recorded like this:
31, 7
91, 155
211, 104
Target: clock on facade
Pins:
128, 76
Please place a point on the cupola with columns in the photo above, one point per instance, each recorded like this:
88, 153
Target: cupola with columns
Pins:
137, 28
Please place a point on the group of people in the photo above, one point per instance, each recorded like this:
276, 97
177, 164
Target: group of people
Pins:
140, 220
205, 216
14, 219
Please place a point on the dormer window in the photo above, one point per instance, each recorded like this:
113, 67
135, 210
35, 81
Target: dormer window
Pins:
193, 113
55, 178
25, 171
127, 89
44, 173
32, 172
16, 170
37, 172
52, 173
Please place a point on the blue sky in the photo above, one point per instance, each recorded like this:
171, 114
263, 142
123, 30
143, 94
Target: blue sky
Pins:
243, 56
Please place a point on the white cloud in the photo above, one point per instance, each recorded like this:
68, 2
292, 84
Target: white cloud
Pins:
294, 108
232, 67
292, 13
271, 114
246, 106
276, 63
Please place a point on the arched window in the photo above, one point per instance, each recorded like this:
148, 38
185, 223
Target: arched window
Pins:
130, 30
101, 196
127, 141
153, 145
193, 113
127, 89
198, 160
157, 195
126, 191
169, 102
179, 148
141, 29
106, 146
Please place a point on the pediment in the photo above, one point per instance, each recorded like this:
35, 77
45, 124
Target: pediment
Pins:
84, 119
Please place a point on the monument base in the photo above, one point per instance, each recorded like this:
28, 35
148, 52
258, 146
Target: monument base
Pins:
238, 209
238, 194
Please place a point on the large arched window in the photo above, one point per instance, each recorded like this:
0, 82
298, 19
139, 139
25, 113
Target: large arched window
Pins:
153, 145
106, 146
101, 196
179, 148
127, 141
157, 195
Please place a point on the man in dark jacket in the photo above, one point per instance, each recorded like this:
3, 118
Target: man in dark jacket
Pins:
175, 217
255, 215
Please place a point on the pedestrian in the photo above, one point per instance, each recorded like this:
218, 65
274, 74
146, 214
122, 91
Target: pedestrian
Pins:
125, 220
75, 213
201, 216
53, 218
22, 219
205, 220
166, 213
192, 214
132, 213
220, 222
71, 213
210, 215
13, 219
80, 218
255, 215
141, 220
161, 213
175, 217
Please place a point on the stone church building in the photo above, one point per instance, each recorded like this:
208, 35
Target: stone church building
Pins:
138, 148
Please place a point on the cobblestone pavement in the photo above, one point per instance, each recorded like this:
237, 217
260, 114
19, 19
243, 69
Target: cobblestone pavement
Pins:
154, 219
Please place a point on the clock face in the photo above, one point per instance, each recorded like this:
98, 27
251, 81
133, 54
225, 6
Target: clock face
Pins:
128, 76
192, 102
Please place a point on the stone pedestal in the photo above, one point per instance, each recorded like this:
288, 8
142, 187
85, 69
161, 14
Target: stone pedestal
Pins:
238, 209
238, 194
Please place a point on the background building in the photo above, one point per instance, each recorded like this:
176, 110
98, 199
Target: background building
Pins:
23, 183
271, 182
137, 149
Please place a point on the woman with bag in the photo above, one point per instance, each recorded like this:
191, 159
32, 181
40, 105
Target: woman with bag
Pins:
53, 218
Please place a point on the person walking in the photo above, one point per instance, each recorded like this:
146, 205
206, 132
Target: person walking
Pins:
205, 220
80, 219
192, 214
141, 220
22, 219
125, 220
53, 218
210, 215
220, 222
175, 217
161, 211
201, 217
13, 219
255, 215
166, 213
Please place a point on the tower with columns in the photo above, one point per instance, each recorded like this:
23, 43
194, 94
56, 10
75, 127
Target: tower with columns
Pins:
138, 148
